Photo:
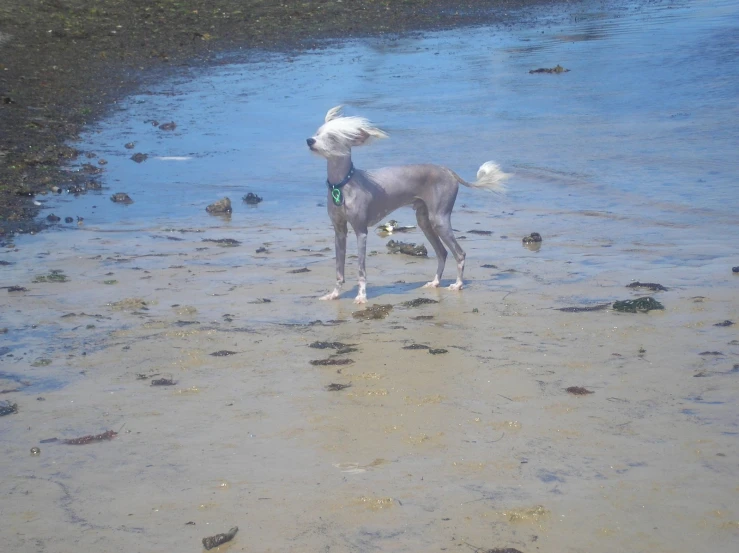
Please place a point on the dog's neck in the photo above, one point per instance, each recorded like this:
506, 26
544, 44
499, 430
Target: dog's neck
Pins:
339, 168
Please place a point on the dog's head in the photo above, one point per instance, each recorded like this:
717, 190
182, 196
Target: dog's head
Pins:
338, 134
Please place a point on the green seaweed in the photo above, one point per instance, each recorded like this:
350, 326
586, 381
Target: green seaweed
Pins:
640, 305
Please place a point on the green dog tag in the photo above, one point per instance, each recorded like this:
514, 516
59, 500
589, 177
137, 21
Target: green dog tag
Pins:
337, 196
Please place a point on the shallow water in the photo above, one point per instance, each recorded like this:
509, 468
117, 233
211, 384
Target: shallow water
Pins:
636, 145
627, 167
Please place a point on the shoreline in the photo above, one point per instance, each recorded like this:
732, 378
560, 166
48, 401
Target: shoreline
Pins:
65, 64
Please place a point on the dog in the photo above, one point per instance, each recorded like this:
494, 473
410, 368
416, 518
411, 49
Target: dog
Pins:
363, 198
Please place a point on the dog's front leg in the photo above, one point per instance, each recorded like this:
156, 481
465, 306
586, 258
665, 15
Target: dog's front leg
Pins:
361, 233
340, 244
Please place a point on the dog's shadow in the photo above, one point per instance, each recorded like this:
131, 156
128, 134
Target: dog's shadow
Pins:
394, 289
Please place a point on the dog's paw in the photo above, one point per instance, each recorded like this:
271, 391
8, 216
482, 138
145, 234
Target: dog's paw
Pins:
330, 296
360, 300
433, 284
456, 286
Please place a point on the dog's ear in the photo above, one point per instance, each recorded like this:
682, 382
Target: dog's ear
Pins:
368, 133
333, 113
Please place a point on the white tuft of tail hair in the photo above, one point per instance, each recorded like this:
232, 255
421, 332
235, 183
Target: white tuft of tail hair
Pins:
489, 177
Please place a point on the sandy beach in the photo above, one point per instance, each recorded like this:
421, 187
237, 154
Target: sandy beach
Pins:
481, 446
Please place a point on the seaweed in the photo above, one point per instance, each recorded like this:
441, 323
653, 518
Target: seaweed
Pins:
344, 351
407, 248
223, 353
331, 362
376, 311
53, 276
416, 346
489, 266
423, 318
17, 289
223, 242
163, 382
642, 305
298, 271
91, 438
328, 345
438, 351
653, 286
481, 232
337, 387
556, 69
219, 539
578, 391
417, 302
598, 307
727, 322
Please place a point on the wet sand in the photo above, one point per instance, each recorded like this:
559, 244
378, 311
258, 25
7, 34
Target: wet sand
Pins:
478, 447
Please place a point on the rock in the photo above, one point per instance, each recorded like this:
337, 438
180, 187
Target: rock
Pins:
7, 408
219, 539
251, 199
139, 158
533, 238
407, 248
735, 270
52, 218
129, 145
219, 207
168, 126
121, 198
68, 220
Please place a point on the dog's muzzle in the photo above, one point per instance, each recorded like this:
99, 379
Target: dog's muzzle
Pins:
310, 142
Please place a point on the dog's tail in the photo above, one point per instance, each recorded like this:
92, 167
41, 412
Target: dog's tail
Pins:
489, 177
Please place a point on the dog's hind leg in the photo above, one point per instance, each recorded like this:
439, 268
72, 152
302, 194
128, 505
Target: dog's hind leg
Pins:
443, 226
422, 217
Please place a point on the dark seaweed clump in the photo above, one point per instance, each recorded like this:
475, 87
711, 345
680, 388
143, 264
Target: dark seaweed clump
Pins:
641, 305
417, 302
653, 286
578, 391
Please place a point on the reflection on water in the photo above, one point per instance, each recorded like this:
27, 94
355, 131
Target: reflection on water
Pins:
643, 125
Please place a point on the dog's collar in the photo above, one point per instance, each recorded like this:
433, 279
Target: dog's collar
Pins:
335, 189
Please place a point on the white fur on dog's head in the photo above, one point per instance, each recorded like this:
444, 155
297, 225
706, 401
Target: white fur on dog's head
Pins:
337, 136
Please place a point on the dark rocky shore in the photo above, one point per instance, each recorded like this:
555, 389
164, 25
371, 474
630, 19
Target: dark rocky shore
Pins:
64, 62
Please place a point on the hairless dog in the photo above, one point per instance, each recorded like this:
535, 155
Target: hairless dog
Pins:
363, 198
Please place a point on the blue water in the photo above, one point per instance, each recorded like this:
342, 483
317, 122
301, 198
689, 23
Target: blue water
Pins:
639, 138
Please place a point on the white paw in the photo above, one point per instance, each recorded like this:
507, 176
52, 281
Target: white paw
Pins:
360, 300
330, 296
432, 284
456, 286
